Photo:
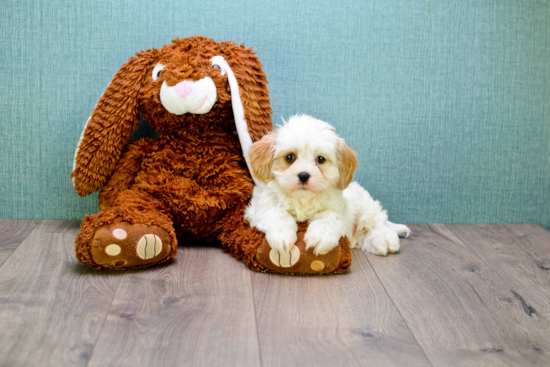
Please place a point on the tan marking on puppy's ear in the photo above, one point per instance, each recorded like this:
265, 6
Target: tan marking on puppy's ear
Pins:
261, 157
347, 164
116, 116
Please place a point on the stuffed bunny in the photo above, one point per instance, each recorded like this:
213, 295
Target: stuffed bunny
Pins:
191, 183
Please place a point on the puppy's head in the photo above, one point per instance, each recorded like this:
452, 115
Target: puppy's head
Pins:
305, 157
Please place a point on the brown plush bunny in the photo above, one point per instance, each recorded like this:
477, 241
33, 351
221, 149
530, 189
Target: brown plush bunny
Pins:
192, 181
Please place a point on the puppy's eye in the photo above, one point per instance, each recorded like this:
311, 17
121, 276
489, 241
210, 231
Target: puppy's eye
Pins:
156, 71
321, 159
290, 158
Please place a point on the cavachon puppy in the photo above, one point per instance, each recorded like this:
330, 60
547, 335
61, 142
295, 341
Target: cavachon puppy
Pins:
305, 171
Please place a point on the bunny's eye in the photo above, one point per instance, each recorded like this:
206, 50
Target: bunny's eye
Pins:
156, 71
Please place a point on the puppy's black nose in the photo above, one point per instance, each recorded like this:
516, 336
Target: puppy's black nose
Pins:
303, 176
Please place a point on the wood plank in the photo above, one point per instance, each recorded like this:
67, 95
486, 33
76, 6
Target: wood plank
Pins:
196, 311
535, 239
502, 249
12, 233
51, 307
341, 320
459, 310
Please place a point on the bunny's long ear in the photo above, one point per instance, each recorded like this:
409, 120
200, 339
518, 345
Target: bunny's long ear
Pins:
110, 126
253, 89
249, 96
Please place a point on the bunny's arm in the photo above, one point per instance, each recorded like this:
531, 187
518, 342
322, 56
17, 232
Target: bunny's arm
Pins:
125, 174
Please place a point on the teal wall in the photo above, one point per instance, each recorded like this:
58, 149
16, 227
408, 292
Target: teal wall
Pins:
446, 102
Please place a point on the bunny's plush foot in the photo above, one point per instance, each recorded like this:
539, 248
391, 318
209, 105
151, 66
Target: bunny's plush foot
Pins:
124, 245
249, 245
112, 240
301, 260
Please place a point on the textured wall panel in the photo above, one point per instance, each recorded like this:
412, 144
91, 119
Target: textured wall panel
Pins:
446, 102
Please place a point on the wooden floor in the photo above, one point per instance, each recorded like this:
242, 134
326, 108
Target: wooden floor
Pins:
456, 295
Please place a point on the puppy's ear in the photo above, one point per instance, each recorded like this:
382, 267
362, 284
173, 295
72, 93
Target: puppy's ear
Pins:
347, 164
253, 89
261, 157
116, 116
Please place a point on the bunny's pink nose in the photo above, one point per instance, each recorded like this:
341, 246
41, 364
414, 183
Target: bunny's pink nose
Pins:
183, 89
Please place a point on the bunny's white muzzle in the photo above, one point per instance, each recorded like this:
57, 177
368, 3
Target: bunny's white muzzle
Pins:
189, 97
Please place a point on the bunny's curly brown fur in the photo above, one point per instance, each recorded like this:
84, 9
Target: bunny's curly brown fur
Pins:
191, 182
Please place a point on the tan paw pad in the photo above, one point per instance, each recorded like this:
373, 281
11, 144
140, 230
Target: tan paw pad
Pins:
317, 265
119, 233
149, 246
285, 259
113, 250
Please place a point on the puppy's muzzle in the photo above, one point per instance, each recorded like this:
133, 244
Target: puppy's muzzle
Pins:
303, 177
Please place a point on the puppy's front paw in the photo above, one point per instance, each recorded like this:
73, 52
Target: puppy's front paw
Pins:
282, 239
321, 237
380, 241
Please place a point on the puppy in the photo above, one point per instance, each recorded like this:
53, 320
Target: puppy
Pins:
305, 173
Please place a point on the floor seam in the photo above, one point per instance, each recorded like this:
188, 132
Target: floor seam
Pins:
397, 308
20, 243
255, 318
104, 320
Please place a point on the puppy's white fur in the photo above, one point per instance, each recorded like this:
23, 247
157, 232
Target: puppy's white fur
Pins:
297, 186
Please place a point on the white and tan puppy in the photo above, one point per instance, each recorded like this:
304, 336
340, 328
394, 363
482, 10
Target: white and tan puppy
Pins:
305, 172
